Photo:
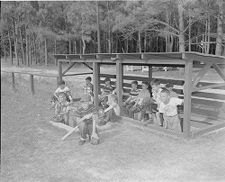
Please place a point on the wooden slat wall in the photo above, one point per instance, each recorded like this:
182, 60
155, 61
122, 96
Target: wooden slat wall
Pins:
210, 108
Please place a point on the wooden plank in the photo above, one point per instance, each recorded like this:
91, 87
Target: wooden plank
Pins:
13, 80
150, 73
219, 71
71, 65
206, 58
76, 74
88, 66
32, 84
200, 74
60, 70
119, 82
187, 98
96, 73
208, 86
208, 129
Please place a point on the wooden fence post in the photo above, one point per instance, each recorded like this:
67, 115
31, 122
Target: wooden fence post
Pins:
32, 83
60, 71
13, 80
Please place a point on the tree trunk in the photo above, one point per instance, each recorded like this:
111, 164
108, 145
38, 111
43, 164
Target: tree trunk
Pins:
35, 50
22, 47
46, 53
16, 46
208, 35
75, 46
30, 49
27, 50
84, 45
98, 28
181, 28
70, 46
55, 51
10, 49
219, 28
189, 30
139, 41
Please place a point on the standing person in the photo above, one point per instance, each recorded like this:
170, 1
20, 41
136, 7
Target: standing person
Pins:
88, 87
132, 97
168, 106
105, 91
156, 89
169, 86
142, 101
86, 114
62, 88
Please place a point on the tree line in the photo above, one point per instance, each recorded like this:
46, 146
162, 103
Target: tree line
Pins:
32, 31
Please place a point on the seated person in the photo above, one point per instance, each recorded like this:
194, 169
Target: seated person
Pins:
61, 89
168, 107
169, 86
61, 109
132, 97
142, 101
88, 87
112, 113
86, 120
105, 91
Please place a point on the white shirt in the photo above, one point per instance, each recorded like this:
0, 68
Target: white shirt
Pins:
64, 90
170, 109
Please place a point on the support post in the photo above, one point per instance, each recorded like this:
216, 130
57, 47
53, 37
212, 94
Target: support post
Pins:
13, 80
60, 70
187, 97
119, 82
150, 72
32, 84
96, 74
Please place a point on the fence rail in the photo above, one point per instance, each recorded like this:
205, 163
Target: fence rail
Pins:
32, 75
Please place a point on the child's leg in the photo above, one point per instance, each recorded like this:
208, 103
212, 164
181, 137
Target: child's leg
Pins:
161, 118
166, 121
83, 128
175, 123
131, 112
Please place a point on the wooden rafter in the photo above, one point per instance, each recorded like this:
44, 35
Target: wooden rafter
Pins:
201, 74
71, 65
88, 66
209, 86
219, 71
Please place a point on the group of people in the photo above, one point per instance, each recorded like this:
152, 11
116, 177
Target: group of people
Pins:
153, 102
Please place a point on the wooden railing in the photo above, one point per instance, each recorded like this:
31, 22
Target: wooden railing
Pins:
32, 87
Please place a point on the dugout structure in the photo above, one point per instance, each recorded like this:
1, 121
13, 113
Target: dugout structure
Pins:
202, 111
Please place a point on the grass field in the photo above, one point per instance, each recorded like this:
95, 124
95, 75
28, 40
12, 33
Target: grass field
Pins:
31, 149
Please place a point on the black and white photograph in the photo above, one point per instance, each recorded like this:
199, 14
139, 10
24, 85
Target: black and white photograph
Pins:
113, 91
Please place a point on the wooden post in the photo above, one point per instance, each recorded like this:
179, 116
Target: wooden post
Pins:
60, 71
119, 82
96, 74
150, 73
187, 97
32, 84
13, 80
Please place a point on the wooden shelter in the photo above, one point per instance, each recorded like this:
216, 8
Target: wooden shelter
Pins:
208, 108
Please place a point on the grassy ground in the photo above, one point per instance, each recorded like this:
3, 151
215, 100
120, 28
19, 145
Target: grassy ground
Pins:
32, 150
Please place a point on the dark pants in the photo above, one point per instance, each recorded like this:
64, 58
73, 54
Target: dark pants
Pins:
110, 116
135, 109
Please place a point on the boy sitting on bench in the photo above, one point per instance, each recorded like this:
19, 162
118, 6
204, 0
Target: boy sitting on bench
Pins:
105, 91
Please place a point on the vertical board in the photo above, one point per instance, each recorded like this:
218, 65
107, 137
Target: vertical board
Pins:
60, 71
32, 84
187, 97
96, 74
119, 82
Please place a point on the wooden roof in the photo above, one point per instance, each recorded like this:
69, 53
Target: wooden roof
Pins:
168, 58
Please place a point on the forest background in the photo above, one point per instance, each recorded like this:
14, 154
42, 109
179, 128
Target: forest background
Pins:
32, 31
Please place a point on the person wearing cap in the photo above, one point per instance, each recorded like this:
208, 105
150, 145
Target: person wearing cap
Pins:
86, 124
